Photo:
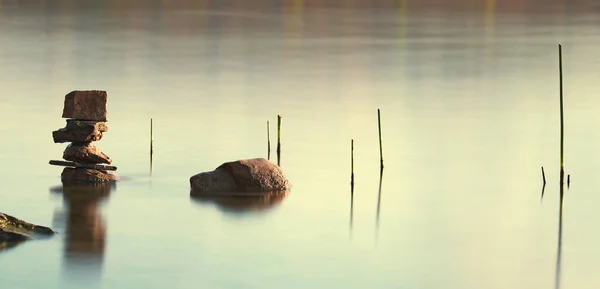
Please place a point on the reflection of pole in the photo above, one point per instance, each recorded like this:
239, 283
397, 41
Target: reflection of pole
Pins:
378, 205
559, 249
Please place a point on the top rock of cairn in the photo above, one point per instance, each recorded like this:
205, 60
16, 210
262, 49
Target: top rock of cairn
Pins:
86, 105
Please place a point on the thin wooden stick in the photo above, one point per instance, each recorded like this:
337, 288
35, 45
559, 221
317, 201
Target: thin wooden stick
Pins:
543, 175
562, 123
151, 136
279, 140
352, 167
380, 144
278, 134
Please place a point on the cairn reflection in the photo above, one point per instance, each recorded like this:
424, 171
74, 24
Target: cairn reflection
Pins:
241, 202
83, 226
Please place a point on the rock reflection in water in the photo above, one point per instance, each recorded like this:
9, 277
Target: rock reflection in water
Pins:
83, 228
241, 202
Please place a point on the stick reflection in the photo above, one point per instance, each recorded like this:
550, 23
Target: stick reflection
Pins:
559, 246
378, 205
543, 189
351, 207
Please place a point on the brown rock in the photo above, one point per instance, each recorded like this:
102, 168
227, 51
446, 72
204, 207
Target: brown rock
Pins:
80, 131
86, 105
86, 153
250, 176
79, 175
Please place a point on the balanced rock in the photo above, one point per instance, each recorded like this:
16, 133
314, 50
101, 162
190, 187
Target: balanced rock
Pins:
248, 176
81, 175
86, 105
86, 153
80, 131
15, 230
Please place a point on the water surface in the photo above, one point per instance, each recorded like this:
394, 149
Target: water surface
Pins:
469, 99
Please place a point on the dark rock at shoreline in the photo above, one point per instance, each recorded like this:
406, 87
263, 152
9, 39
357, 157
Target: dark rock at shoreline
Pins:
81, 175
80, 131
86, 153
16, 230
250, 176
86, 105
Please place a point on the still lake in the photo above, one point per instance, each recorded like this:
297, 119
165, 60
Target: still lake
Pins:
468, 92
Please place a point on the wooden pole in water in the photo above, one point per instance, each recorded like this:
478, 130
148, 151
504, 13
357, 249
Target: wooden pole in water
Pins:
151, 136
352, 167
278, 140
278, 133
380, 145
562, 123
543, 176
268, 140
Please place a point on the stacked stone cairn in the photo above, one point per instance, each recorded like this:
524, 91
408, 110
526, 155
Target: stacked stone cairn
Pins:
86, 116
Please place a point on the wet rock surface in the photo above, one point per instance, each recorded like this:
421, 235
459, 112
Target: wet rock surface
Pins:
80, 131
81, 175
15, 230
86, 153
249, 176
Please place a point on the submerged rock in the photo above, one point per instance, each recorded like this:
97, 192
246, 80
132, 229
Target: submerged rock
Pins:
81, 175
248, 176
80, 131
86, 105
86, 153
15, 230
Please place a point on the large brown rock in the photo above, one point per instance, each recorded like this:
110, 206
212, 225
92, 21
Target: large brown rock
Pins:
248, 176
86, 153
80, 175
80, 131
86, 105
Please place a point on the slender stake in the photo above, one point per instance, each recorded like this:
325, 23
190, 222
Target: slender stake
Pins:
278, 133
352, 167
562, 123
380, 145
278, 140
568, 181
543, 176
268, 140
151, 136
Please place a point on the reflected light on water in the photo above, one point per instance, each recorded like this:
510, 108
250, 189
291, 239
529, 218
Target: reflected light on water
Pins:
241, 203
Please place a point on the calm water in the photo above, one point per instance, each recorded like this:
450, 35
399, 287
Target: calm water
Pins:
469, 100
